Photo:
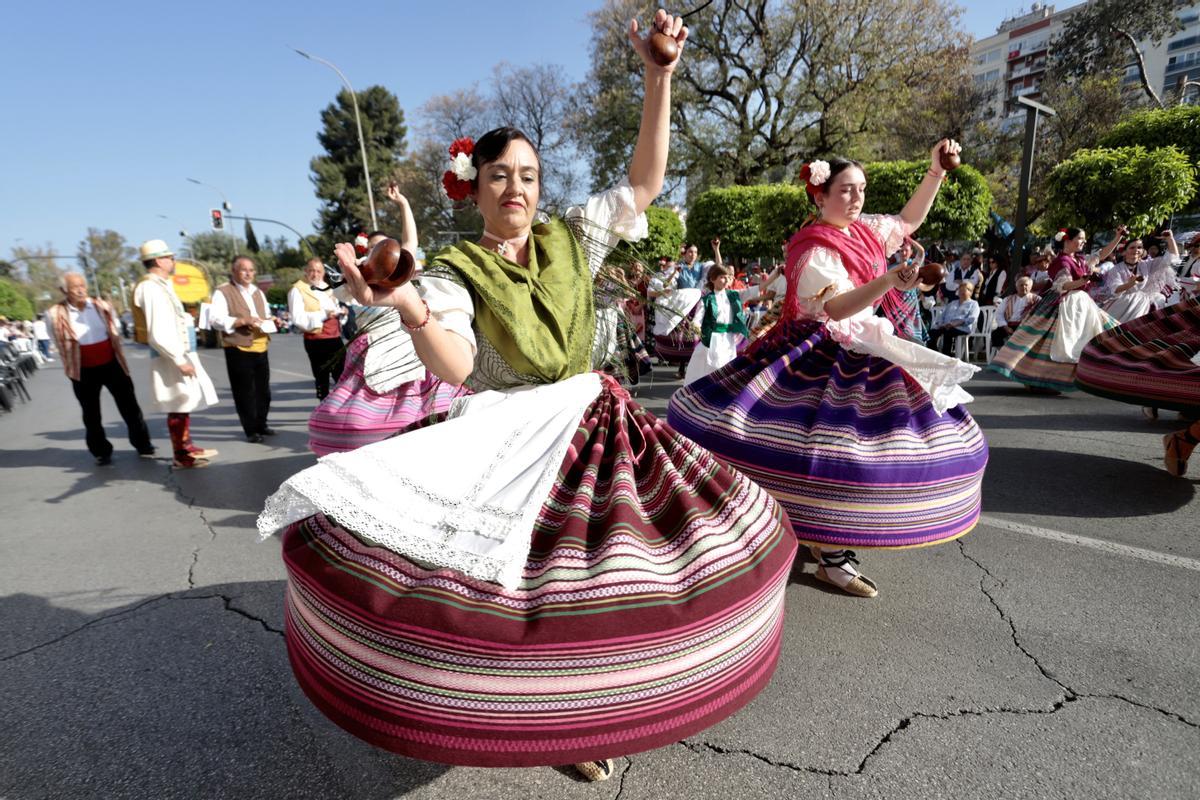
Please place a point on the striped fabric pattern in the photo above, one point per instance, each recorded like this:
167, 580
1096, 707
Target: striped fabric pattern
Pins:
1025, 357
848, 443
677, 346
353, 414
651, 608
1148, 361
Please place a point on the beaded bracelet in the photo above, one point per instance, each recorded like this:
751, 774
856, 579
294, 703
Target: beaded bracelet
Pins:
416, 328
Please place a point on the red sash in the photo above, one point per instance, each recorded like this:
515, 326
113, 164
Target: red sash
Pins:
861, 253
96, 355
332, 329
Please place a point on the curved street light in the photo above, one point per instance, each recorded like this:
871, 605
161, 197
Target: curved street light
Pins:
358, 122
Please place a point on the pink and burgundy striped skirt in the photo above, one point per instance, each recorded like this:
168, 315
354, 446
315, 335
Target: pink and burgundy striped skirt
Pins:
849, 444
651, 608
354, 414
1149, 361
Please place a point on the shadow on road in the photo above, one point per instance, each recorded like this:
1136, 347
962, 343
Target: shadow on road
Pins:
1058, 483
184, 696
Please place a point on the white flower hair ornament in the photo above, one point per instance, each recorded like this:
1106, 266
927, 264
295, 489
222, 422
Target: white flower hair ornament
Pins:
818, 173
1062, 234
462, 167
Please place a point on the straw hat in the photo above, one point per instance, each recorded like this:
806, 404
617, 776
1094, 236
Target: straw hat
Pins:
154, 248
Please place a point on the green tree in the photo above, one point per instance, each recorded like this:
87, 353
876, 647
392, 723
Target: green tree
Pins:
959, 212
1159, 127
7, 269
338, 175
782, 209
1102, 37
662, 241
1105, 187
14, 304
111, 259
41, 274
764, 85
215, 250
732, 214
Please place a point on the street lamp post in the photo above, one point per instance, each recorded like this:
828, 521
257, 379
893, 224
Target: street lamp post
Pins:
300, 236
1032, 109
362, 144
224, 204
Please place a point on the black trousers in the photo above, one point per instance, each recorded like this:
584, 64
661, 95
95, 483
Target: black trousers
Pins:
324, 361
250, 382
943, 339
87, 391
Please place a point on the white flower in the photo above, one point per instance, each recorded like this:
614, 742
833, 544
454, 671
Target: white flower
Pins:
462, 168
818, 172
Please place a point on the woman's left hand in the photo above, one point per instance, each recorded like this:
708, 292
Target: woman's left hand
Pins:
670, 25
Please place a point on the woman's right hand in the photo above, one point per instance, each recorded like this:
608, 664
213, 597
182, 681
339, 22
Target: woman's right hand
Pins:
904, 278
393, 194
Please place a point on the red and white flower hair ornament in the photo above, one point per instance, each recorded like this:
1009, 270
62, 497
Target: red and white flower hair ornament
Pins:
1062, 234
457, 180
814, 174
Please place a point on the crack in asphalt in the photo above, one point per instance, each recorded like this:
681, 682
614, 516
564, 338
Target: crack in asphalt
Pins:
84, 626
230, 607
983, 587
621, 782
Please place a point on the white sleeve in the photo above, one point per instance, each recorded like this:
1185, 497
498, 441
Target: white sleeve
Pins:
451, 306
218, 313
750, 293
890, 229
823, 276
698, 314
607, 218
307, 321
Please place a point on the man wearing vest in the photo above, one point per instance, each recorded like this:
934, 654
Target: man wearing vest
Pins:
239, 311
177, 379
89, 342
316, 312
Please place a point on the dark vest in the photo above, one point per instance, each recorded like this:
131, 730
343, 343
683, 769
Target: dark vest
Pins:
244, 336
709, 325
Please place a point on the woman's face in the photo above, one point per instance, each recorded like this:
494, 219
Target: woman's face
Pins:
1133, 251
843, 198
1075, 244
508, 190
720, 282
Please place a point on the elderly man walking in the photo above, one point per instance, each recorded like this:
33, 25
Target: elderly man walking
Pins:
88, 337
239, 311
178, 380
316, 312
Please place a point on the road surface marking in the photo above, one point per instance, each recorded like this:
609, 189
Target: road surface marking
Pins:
1112, 548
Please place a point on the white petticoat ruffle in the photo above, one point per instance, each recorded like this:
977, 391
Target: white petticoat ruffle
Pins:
671, 307
421, 496
938, 374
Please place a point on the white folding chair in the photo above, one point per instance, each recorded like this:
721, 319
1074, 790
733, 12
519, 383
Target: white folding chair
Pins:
982, 334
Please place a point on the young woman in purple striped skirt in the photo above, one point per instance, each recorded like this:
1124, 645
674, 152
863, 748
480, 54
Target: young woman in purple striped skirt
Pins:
551, 575
858, 433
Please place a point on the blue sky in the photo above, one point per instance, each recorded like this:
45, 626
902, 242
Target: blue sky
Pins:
110, 107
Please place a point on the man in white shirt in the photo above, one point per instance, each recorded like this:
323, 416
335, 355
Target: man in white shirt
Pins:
317, 314
1013, 309
958, 319
42, 334
239, 311
89, 342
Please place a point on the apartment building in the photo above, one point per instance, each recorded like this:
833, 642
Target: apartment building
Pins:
1013, 61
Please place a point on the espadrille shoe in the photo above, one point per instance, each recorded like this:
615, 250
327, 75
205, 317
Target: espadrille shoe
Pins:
595, 770
848, 579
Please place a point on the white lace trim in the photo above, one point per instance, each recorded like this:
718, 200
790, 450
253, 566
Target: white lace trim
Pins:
421, 496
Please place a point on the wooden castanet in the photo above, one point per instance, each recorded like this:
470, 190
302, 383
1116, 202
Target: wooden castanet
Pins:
663, 48
932, 274
388, 265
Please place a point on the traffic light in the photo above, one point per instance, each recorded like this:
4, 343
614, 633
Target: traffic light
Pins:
218, 219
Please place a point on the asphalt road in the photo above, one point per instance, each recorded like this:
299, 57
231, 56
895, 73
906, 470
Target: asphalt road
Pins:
1053, 652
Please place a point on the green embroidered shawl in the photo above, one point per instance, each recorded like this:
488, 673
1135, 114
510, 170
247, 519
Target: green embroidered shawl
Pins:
539, 318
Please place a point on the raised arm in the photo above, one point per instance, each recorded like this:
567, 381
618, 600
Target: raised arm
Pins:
408, 233
918, 206
1108, 249
649, 164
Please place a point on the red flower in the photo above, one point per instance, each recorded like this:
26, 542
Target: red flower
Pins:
462, 145
456, 189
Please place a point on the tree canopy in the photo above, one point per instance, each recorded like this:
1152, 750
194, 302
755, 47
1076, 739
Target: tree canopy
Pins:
959, 212
338, 174
1105, 187
13, 302
1159, 127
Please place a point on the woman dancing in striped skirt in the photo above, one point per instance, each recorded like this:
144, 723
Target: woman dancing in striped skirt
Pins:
551, 575
1153, 361
1043, 351
858, 433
